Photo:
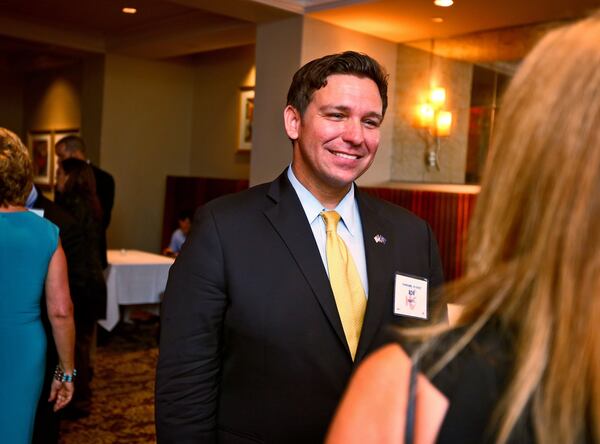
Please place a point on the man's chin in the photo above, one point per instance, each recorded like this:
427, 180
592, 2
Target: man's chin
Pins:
343, 183
345, 178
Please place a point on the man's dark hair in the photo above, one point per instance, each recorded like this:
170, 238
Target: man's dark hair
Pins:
186, 214
72, 144
313, 76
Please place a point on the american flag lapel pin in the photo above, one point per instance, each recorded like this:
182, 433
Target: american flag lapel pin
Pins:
379, 239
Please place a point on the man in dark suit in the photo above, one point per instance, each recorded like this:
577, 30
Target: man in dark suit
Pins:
46, 429
255, 343
73, 146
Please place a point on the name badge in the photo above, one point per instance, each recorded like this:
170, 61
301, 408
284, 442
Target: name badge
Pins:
410, 296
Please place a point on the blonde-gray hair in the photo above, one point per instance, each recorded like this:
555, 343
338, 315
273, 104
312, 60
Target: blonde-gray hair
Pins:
16, 171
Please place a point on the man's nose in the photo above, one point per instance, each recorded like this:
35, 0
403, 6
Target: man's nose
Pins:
353, 132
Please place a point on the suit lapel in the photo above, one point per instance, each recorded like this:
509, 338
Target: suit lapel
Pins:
379, 244
289, 220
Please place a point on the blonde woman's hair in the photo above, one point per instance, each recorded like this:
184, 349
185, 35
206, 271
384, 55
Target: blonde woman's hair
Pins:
16, 171
534, 243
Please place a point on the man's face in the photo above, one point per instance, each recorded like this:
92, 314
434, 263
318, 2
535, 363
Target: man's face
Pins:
185, 225
338, 136
60, 151
63, 154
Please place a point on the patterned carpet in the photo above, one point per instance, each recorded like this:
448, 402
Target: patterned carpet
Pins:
123, 390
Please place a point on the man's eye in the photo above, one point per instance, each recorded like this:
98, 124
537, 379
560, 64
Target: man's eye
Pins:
336, 116
372, 123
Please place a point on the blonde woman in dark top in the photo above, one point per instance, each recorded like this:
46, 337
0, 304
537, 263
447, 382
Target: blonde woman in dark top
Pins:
522, 364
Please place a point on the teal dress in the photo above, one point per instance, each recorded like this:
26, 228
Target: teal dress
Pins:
27, 243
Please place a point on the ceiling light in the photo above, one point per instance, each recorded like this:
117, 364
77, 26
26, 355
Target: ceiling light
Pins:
437, 20
128, 10
443, 3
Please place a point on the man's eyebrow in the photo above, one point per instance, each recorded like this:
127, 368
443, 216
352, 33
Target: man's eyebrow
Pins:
325, 108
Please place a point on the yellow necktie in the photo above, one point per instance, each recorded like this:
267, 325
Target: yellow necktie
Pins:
345, 282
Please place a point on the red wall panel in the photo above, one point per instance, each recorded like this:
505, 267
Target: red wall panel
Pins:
447, 213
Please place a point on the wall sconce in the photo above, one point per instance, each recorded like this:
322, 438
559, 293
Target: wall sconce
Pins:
436, 123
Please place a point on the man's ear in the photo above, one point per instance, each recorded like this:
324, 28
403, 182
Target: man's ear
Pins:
292, 120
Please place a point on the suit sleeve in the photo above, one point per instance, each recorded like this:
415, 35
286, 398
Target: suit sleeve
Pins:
191, 322
107, 199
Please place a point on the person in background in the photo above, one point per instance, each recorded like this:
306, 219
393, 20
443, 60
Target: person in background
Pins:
76, 194
522, 364
184, 220
74, 147
47, 422
282, 289
31, 260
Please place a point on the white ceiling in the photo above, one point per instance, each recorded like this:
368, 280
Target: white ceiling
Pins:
172, 28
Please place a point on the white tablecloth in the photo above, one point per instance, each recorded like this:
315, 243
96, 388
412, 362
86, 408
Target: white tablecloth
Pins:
133, 277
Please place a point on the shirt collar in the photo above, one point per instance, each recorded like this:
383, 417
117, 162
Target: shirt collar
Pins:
347, 208
33, 195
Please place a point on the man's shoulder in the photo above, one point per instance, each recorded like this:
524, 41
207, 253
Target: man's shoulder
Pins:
101, 174
178, 235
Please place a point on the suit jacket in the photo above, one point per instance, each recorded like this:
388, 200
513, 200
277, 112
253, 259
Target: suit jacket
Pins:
252, 347
105, 190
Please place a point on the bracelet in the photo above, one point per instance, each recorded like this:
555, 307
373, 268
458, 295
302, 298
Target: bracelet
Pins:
61, 376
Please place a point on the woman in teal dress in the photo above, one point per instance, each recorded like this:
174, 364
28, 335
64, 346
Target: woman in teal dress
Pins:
31, 260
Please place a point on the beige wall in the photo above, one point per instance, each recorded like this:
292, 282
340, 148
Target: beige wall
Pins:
415, 70
452, 69
58, 99
92, 88
52, 99
51, 102
278, 54
146, 134
218, 76
11, 102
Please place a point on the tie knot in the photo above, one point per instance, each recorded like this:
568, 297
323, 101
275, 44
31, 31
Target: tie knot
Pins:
331, 219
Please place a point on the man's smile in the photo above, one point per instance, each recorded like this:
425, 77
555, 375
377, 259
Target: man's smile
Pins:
345, 155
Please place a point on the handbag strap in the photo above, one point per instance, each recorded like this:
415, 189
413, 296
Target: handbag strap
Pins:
409, 433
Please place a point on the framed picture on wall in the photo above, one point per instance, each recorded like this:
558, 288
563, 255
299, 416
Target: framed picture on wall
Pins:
42, 157
43, 154
246, 114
